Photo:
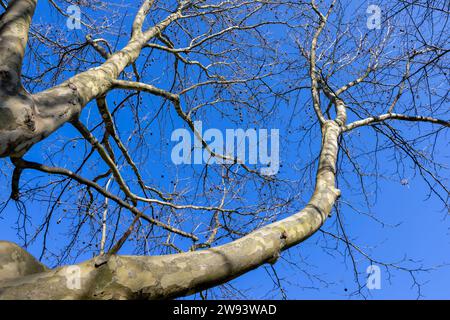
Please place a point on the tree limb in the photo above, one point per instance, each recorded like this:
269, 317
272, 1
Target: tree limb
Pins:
394, 116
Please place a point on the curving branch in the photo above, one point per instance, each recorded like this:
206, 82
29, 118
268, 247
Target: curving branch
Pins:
162, 277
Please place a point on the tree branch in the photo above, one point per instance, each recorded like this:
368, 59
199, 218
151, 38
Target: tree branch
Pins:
14, 27
394, 116
64, 172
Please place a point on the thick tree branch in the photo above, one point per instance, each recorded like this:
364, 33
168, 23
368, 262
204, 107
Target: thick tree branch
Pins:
16, 263
158, 277
14, 27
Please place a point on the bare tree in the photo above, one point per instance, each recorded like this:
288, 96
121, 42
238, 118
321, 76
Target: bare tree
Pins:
238, 61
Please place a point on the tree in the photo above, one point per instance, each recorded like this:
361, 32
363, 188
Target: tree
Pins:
204, 57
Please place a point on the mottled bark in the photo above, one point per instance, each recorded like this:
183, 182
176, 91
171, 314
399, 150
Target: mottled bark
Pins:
17, 108
16, 262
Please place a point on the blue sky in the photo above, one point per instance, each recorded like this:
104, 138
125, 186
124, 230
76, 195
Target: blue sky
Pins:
416, 226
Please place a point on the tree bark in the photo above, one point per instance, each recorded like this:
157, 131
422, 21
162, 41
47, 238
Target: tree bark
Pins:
17, 108
16, 262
